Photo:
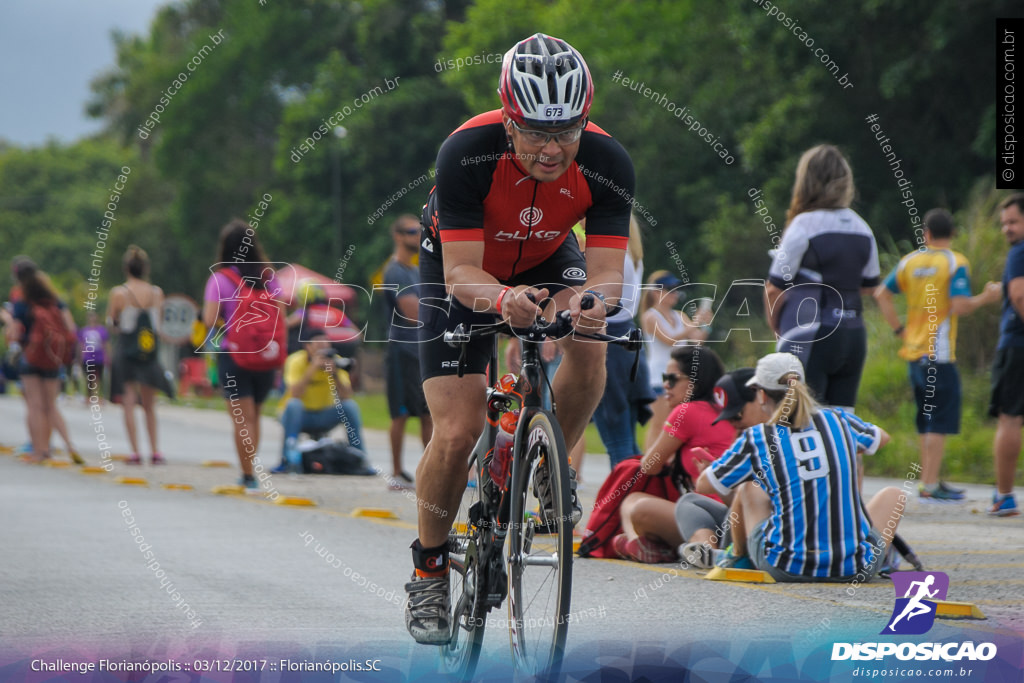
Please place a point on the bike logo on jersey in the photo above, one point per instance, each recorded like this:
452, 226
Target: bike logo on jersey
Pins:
544, 235
531, 216
914, 613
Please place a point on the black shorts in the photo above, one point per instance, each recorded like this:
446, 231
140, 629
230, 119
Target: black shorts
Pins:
937, 394
237, 383
405, 388
1007, 382
25, 369
440, 313
832, 365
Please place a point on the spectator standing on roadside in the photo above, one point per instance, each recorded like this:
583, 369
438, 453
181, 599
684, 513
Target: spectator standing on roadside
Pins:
1007, 402
404, 389
664, 327
38, 304
828, 255
135, 311
936, 282
243, 272
625, 403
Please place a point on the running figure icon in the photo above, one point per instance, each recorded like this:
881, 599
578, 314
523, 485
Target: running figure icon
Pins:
915, 606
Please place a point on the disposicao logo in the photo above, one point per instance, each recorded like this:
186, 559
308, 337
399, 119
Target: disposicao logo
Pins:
914, 614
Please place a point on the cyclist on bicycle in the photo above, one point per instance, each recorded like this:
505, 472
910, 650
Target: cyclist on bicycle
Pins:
510, 186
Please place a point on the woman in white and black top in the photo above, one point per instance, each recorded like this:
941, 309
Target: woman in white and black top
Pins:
134, 380
826, 261
664, 327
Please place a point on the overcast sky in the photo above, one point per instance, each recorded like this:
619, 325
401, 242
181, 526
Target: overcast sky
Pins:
49, 52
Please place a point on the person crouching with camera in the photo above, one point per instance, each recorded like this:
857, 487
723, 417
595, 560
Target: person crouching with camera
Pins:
317, 398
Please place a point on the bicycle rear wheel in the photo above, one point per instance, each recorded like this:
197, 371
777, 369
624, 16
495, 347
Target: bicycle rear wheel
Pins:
460, 654
539, 564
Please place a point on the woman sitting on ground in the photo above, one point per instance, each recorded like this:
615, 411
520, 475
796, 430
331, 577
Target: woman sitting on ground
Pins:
689, 436
799, 512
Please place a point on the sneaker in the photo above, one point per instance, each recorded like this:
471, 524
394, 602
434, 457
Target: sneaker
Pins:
157, 459
249, 481
697, 555
940, 494
542, 489
401, 482
428, 609
133, 459
951, 490
731, 561
285, 466
645, 550
1004, 507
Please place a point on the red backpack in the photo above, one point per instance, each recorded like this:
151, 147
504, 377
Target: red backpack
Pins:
604, 523
50, 343
255, 335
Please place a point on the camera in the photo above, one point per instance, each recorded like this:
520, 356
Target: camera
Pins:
336, 358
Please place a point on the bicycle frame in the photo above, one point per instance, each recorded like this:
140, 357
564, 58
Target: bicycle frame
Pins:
495, 495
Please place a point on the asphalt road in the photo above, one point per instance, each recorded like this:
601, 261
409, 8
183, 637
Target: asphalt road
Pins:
220, 577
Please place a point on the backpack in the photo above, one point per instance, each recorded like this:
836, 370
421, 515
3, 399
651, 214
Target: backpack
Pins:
604, 523
50, 343
255, 335
141, 343
335, 458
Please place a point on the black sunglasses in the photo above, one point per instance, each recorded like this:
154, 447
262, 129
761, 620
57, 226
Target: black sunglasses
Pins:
409, 231
670, 378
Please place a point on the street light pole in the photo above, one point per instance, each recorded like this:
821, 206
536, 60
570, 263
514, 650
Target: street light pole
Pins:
339, 247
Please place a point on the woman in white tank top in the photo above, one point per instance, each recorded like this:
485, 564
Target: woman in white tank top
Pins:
663, 327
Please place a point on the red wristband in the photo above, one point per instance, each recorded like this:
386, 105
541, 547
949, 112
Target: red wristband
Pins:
497, 304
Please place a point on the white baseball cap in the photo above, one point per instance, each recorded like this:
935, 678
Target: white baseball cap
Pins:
774, 370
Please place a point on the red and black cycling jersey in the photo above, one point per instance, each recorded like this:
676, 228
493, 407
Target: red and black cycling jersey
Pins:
482, 193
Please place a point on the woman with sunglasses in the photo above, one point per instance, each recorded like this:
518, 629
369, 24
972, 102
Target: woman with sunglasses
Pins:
689, 434
799, 514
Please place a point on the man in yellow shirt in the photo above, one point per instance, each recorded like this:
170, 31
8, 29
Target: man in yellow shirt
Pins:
936, 282
317, 398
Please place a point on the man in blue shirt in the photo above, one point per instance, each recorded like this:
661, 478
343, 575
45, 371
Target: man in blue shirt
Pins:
1007, 403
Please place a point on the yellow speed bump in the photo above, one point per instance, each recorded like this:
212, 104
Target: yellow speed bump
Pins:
92, 470
957, 610
59, 464
747, 575
119, 457
132, 481
216, 463
296, 501
6, 450
177, 487
228, 490
378, 513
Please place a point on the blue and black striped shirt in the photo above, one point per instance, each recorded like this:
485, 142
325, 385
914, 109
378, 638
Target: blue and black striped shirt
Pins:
818, 526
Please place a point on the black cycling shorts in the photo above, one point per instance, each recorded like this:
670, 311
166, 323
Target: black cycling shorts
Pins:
439, 312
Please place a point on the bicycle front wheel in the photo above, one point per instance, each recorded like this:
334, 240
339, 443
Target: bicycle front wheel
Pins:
539, 553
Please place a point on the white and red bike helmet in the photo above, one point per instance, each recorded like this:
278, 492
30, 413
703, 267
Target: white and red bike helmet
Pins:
545, 83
